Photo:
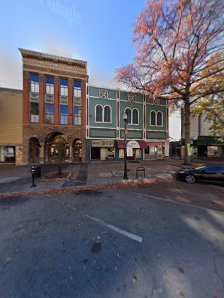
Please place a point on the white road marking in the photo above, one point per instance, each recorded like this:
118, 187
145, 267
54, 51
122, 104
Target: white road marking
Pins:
107, 225
116, 229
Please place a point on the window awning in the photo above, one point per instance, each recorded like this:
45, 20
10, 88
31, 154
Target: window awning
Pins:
141, 144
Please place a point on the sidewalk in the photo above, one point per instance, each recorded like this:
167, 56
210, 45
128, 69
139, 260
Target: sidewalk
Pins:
18, 179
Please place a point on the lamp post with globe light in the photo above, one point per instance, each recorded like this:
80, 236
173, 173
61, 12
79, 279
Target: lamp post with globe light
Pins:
125, 118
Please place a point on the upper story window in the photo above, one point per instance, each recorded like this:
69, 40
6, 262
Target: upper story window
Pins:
103, 114
77, 115
49, 113
34, 112
34, 83
107, 114
156, 118
132, 116
63, 114
64, 87
159, 118
152, 118
99, 113
77, 89
49, 85
128, 113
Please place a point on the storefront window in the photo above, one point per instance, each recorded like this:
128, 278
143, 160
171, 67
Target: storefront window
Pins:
110, 152
138, 153
121, 153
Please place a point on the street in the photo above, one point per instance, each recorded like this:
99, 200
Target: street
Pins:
128, 242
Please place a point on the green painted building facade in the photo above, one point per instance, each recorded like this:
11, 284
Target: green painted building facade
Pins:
147, 129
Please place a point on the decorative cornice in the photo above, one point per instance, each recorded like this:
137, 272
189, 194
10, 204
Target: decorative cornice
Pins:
44, 56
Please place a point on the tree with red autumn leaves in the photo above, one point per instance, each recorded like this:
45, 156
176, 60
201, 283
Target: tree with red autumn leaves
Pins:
175, 42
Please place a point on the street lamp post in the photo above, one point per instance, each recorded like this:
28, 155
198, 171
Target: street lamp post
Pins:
125, 118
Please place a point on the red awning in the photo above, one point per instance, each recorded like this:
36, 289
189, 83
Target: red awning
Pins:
156, 144
120, 144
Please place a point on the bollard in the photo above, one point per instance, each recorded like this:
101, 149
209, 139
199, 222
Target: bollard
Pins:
33, 171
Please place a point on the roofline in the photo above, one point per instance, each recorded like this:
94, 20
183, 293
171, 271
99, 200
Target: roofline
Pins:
116, 89
50, 56
11, 89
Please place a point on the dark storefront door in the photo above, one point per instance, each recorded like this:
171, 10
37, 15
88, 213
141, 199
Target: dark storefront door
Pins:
95, 153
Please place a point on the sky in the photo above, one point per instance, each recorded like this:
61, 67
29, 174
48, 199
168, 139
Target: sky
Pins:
99, 32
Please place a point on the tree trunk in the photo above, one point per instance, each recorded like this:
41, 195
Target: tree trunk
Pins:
187, 130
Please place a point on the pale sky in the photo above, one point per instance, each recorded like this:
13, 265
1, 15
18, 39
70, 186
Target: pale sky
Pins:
99, 32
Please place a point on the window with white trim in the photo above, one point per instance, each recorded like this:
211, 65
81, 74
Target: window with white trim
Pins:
99, 113
152, 118
128, 113
107, 114
49, 85
64, 87
77, 89
34, 83
159, 118
134, 116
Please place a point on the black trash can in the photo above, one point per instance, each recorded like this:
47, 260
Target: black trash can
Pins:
38, 171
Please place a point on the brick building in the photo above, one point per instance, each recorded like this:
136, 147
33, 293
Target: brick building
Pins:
54, 107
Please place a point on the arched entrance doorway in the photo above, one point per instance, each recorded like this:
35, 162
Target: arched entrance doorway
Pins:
77, 150
34, 150
57, 148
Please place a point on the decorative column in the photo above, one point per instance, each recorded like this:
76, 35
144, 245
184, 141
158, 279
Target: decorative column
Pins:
70, 100
42, 153
56, 100
26, 97
42, 92
70, 153
83, 121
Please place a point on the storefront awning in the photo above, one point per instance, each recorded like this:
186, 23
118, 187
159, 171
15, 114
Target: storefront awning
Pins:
139, 144
161, 144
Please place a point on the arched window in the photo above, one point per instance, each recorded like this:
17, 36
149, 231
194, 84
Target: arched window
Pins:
152, 118
134, 116
99, 113
128, 113
159, 118
107, 114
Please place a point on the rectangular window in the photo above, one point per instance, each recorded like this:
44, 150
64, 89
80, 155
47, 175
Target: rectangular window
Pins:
77, 115
34, 83
77, 89
49, 85
49, 113
64, 87
34, 112
63, 114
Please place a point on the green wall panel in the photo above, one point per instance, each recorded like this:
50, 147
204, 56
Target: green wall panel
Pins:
133, 134
156, 135
100, 133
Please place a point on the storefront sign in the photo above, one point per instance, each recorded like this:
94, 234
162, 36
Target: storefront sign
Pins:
102, 143
133, 144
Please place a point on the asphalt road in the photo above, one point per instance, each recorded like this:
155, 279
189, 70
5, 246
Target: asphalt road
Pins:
114, 243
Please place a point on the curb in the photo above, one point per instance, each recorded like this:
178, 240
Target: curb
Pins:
86, 187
